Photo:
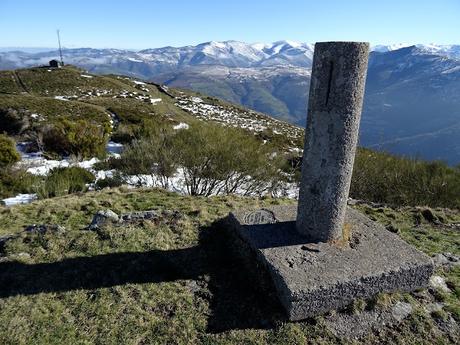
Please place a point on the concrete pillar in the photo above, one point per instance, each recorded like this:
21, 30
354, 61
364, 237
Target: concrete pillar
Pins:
334, 111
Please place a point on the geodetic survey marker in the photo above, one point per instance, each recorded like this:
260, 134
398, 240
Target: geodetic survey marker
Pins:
321, 254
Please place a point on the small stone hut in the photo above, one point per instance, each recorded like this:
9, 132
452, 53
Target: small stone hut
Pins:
54, 64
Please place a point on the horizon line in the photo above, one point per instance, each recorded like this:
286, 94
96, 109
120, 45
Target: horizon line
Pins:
402, 44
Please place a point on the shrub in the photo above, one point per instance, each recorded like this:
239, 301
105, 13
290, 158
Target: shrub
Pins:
222, 160
12, 121
8, 153
381, 177
62, 181
124, 133
213, 159
14, 181
109, 182
154, 154
79, 138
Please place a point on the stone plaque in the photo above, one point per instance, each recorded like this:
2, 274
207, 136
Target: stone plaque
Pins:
259, 217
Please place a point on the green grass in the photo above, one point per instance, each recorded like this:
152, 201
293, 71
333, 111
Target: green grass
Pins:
8, 83
389, 179
64, 81
169, 282
175, 280
53, 109
416, 230
32, 91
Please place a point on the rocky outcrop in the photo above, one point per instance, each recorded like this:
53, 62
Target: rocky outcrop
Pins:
105, 217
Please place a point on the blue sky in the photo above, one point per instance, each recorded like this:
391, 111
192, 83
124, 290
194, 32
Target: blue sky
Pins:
140, 24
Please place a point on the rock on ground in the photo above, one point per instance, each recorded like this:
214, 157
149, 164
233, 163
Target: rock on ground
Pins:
439, 283
355, 326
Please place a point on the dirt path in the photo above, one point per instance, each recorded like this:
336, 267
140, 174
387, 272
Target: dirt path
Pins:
20, 83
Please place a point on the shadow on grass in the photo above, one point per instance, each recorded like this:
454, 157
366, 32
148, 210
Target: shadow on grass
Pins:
239, 300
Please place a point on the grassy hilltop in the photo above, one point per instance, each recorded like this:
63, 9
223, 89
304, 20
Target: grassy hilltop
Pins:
174, 278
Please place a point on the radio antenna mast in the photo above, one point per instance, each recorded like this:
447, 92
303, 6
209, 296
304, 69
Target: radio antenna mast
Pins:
60, 49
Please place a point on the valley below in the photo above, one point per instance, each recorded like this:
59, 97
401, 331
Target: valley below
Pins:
411, 105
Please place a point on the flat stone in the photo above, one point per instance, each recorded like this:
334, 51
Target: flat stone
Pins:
313, 278
401, 310
447, 260
103, 217
356, 326
139, 216
439, 283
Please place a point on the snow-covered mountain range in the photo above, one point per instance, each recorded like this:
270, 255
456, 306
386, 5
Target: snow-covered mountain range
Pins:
227, 53
412, 102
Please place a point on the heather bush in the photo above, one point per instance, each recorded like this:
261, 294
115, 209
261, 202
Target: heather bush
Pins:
16, 181
381, 177
8, 153
154, 154
222, 160
12, 121
211, 159
109, 182
62, 181
79, 138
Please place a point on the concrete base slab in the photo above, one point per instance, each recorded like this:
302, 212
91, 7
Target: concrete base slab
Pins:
313, 278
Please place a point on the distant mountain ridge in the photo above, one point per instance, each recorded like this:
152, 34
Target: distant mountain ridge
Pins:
412, 102
227, 53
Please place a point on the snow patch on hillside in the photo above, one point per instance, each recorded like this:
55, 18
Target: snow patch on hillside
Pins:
20, 199
236, 117
181, 125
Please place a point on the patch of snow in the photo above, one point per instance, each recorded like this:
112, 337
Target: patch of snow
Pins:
86, 76
20, 199
234, 117
177, 184
43, 166
88, 164
181, 125
295, 149
36, 164
61, 98
155, 100
139, 82
196, 100
113, 147
102, 174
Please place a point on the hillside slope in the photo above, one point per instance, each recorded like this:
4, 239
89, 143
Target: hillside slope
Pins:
46, 95
411, 104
